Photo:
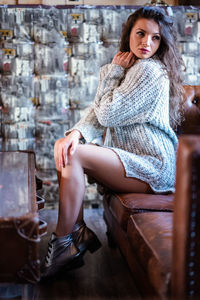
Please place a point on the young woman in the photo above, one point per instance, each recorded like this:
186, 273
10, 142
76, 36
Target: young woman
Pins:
138, 102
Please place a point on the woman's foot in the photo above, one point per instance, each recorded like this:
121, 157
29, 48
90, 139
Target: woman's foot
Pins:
62, 255
84, 238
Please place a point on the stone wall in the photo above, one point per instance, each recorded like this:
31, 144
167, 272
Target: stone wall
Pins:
49, 64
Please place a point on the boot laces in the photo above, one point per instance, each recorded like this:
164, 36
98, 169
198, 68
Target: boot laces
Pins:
49, 255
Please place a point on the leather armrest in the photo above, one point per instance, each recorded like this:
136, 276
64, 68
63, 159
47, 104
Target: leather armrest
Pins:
186, 223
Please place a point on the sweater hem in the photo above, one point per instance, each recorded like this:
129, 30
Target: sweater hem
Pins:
155, 189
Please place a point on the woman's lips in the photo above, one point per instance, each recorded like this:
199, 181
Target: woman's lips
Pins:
143, 50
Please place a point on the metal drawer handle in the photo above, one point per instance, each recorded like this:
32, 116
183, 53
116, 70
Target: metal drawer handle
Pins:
42, 228
40, 202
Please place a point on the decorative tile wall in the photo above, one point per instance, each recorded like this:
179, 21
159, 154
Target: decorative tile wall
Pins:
49, 62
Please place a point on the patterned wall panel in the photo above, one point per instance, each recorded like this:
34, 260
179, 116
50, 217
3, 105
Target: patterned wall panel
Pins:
49, 63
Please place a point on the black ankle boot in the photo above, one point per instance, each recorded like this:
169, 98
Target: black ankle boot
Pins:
62, 255
84, 238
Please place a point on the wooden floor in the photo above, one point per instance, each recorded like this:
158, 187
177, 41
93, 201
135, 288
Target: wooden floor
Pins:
105, 274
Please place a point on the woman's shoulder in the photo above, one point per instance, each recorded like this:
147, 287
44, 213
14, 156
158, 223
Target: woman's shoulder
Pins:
149, 68
150, 64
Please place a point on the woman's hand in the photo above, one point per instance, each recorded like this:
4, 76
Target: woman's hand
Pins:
124, 59
68, 147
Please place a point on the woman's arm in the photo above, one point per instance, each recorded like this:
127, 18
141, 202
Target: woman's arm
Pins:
89, 126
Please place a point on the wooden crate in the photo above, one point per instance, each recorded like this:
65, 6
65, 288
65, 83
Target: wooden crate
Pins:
20, 227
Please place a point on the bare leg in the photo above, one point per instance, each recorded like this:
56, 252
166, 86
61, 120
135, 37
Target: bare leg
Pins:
71, 191
102, 164
80, 215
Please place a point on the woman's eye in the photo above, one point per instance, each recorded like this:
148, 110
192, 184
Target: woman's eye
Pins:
140, 33
156, 37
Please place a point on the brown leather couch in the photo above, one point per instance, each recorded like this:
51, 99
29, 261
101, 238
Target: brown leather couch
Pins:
159, 235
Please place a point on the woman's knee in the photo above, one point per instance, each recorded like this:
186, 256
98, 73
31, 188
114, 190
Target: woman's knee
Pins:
56, 147
77, 155
57, 143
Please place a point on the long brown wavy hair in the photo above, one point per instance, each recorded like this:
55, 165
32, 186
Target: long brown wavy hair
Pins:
167, 52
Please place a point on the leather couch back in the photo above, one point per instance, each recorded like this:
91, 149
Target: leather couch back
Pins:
191, 124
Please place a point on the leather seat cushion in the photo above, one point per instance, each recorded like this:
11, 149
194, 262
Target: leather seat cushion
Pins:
124, 205
150, 235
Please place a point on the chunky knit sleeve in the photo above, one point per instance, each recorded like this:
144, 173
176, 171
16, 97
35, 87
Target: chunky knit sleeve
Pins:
89, 126
133, 98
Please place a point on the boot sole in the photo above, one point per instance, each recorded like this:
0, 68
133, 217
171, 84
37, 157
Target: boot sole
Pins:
75, 263
94, 245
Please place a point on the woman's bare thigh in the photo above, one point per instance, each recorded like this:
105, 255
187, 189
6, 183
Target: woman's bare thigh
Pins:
104, 165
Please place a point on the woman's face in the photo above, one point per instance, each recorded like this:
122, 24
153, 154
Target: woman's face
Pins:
145, 38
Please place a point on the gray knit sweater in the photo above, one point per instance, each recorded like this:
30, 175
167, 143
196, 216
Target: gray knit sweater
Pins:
132, 106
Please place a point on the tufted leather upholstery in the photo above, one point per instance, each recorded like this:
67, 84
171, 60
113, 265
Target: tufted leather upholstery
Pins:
186, 226
142, 224
191, 123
